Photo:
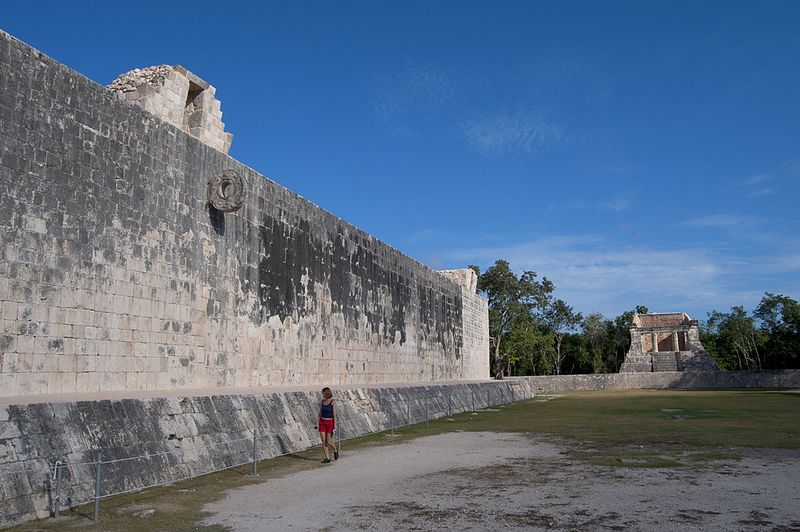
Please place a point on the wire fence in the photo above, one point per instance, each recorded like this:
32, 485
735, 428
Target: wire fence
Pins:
73, 484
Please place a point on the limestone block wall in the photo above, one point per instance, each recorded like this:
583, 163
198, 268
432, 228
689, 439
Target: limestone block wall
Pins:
183, 436
144, 442
530, 386
117, 273
179, 97
475, 320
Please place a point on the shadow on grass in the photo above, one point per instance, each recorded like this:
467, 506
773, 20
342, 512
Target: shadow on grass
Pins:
299, 457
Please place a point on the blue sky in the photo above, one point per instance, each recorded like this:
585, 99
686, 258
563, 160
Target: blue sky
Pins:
632, 152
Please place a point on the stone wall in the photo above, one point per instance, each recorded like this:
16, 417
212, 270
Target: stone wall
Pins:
188, 436
144, 442
117, 272
529, 386
179, 97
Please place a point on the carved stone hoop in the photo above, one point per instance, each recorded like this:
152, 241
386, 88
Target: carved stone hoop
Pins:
226, 191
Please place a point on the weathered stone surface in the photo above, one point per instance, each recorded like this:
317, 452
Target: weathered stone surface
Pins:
116, 275
667, 341
174, 94
149, 441
185, 436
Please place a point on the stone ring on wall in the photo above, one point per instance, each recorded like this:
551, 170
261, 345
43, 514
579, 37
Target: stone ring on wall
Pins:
226, 191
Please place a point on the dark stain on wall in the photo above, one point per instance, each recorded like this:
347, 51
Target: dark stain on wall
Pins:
361, 282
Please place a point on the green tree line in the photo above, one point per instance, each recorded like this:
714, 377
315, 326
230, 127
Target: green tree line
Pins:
533, 333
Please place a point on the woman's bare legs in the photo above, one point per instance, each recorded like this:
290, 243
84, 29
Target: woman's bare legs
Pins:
330, 443
325, 436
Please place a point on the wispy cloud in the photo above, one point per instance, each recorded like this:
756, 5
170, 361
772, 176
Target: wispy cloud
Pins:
768, 183
595, 274
755, 179
617, 203
528, 130
418, 90
741, 228
537, 114
717, 220
792, 166
758, 180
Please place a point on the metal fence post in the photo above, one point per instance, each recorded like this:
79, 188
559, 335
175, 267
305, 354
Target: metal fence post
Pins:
449, 403
427, 421
473, 399
97, 487
391, 421
488, 396
57, 506
408, 414
255, 452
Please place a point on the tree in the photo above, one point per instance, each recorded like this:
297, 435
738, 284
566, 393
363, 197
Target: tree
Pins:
780, 320
577, 356
618, 341
733, 340
528, 347
595, 334
561, 318
511, 299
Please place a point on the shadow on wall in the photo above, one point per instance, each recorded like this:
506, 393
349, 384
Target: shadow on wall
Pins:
217, 220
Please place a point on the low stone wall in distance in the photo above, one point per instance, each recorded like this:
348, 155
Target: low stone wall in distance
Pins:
530, 386
145, 442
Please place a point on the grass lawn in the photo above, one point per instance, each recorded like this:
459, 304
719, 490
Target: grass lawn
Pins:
631, 428
692, 418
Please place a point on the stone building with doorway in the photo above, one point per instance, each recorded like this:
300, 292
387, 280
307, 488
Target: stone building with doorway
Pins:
667, 341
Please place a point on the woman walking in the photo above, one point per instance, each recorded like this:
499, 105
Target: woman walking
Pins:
327, 424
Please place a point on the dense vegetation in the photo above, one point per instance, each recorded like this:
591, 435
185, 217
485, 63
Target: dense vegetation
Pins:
532, 333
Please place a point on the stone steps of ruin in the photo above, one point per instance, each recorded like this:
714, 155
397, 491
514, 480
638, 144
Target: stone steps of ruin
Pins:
665, 362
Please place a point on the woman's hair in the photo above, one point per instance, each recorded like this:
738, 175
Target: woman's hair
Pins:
326, 393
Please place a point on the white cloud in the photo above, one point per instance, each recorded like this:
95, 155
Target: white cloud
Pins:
620, 203
461, 99
762, 192
522, 130
417, 89
754, 180
715, 220
743, 228
594, 275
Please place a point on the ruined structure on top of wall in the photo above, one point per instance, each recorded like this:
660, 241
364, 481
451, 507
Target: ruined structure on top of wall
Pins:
666, 342
179, 97
466, 278
135, 256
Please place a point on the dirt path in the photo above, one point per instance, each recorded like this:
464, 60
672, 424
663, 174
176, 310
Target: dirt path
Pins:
487, 481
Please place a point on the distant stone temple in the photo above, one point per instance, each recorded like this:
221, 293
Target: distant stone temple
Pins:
666, 342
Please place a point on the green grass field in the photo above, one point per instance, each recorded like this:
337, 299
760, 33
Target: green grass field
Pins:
632, 428
692, 418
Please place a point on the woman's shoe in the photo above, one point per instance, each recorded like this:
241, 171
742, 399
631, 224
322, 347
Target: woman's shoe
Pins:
326, 461
335, 455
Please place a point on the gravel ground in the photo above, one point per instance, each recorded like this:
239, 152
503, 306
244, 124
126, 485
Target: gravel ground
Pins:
488, 481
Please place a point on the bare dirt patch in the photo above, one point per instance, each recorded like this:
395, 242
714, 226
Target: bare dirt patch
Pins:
490, 481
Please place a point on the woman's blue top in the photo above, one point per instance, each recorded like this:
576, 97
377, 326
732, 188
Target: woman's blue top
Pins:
327, 410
